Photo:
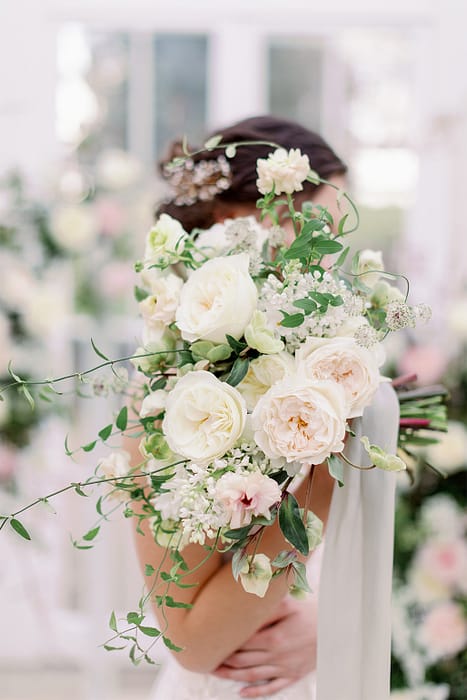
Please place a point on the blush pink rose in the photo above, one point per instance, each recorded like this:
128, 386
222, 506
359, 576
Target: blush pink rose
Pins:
246, 495
444, 561
444, 630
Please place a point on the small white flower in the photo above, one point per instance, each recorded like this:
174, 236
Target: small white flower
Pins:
282, 171
399, 315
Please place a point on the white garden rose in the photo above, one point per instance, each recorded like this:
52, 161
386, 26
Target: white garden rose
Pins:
342, 360
262, 337
204, 417
282, 171
161, 305
218, 299
301, 419
164, 241
370, 264
263, 372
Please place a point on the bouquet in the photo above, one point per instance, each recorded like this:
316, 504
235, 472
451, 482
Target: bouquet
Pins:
258, 350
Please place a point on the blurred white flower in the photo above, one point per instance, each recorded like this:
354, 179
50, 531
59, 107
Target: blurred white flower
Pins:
441, 517
422, 692
17, 282
115, 466
117, 169
46, 310
153, 403
457, 318
450, 453
116, 280
74, 227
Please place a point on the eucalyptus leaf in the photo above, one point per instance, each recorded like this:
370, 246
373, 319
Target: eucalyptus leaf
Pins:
238, 371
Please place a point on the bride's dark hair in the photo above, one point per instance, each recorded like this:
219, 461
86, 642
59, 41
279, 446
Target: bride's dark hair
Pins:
243, 190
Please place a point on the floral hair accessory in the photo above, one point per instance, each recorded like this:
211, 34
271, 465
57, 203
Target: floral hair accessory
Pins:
202, 181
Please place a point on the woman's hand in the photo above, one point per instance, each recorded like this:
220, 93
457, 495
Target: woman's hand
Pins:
278, 654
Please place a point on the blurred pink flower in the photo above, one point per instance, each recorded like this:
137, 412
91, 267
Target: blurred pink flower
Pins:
444, 630
426, 361
116, 279
111, 217
445, 561
8, 457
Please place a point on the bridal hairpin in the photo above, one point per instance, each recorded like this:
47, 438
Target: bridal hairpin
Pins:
202, 181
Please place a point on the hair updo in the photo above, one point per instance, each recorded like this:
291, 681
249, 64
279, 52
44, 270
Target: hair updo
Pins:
243, 190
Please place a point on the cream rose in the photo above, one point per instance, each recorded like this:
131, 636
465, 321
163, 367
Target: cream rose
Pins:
204, 417
342, 360
369, 265
164, 241
262, 373
115, 466
282, 171
218, 299
301, 419
161, 305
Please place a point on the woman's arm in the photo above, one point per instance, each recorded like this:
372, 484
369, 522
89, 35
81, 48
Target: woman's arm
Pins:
224, 616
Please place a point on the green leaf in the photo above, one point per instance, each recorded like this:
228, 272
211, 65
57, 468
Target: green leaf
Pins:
238, 371
89, 447
336, 468
158, 384
140, 293
308, 305
13, 375
237, 345
326, 246
27, 395
134, 618
291, 524
91, 534
284, 558
113, 622
340, 227
292, 320
99, 505
301, 580
19, 528
149, 570
230, 151
171, 603
219, 353
238, 533
122, 418
107, 647
342, 257
79, 490
105, 433
150, 631
68, 452
213, 142
170, 645
184, 358
97, 351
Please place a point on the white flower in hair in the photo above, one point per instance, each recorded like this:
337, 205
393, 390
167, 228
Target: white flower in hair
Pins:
282, 171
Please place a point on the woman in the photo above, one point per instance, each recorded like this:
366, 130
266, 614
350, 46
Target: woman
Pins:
234, 642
